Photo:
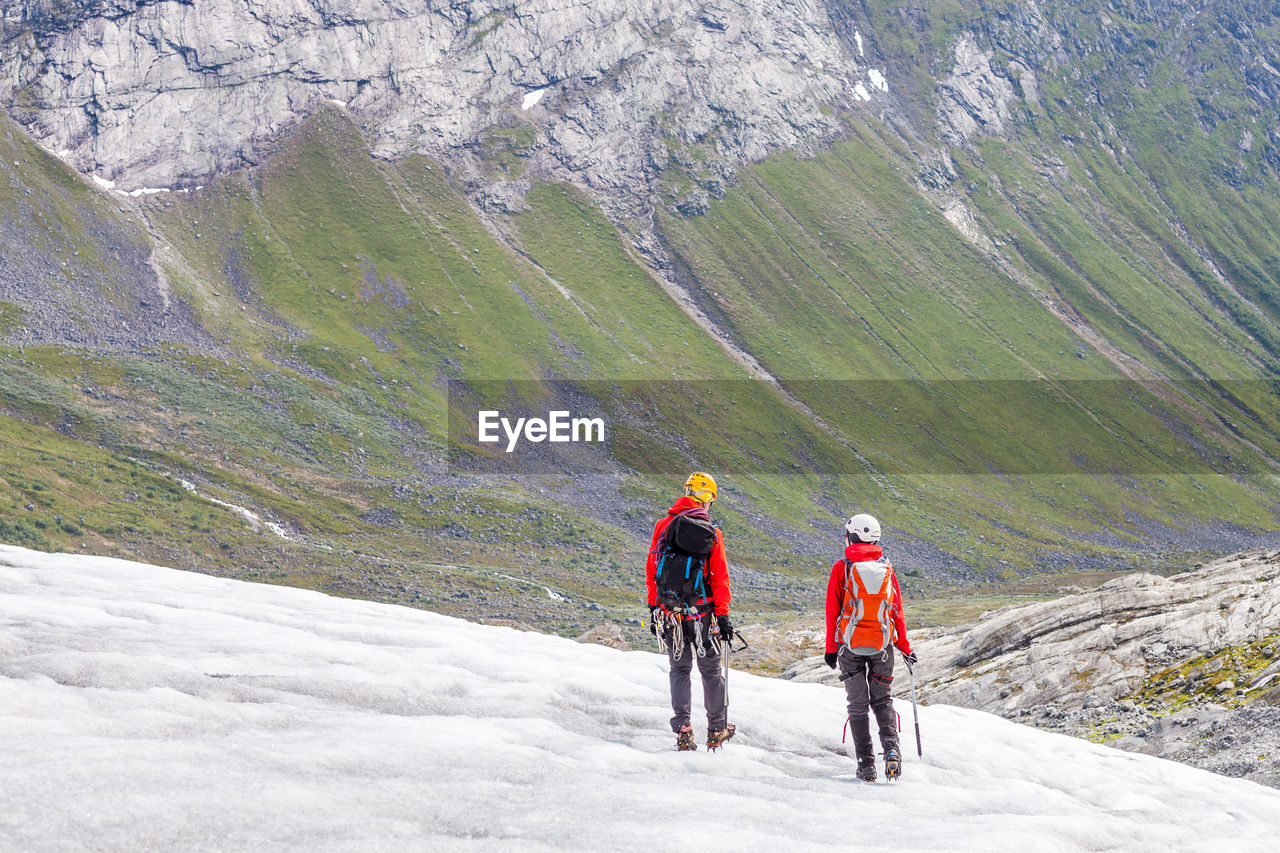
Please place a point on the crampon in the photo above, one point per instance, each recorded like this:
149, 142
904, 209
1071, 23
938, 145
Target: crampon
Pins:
892, 765
715, 740
685, 741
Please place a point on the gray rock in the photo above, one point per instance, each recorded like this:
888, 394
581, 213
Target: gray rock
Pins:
1087, 655
1104, 642
973, 99
163, 94
607, 634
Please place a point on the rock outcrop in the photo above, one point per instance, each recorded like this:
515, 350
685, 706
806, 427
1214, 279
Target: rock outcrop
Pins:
973, 98
608, 634
1105, 644
163, 94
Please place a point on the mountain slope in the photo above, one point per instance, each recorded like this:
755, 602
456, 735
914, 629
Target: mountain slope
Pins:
194, 711
993, 300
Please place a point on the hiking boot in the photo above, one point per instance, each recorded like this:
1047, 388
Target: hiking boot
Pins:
892, 764
684, 741
715, 740
867, 769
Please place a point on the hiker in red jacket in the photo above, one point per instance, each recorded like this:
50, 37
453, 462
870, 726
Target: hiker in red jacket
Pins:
864, 623
688, 584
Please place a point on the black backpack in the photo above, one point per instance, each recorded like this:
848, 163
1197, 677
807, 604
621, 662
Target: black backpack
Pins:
682, 565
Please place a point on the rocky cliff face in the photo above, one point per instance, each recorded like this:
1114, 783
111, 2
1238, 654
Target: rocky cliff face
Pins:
163, 94
1181, 666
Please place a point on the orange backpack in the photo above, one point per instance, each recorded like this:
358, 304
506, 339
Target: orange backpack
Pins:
866, 620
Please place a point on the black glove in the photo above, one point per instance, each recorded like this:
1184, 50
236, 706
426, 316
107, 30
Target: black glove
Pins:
830, 659
653, 623
910, 658
726, 627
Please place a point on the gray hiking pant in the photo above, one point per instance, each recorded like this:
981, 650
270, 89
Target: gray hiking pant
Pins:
868, 689
682, 690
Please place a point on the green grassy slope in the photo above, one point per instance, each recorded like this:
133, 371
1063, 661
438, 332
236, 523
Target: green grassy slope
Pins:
340, 293
920, 334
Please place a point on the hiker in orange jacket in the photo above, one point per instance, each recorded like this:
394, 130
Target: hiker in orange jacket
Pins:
687, 579
864, 623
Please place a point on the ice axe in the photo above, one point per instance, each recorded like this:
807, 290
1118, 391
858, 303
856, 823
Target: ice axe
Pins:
728, 647
914, 711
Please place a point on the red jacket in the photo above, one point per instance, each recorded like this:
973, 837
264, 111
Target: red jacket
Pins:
717, 575
835, 596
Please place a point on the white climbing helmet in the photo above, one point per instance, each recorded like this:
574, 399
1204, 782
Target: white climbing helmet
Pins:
863, 528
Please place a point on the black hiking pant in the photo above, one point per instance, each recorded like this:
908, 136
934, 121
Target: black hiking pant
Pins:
868, 689
713, 686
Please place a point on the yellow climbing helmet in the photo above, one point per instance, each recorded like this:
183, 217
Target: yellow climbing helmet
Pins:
701, 487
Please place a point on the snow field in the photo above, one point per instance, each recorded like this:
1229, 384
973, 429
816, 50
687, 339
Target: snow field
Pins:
145, 708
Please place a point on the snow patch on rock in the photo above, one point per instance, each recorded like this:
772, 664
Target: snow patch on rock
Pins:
255, 520
531, 99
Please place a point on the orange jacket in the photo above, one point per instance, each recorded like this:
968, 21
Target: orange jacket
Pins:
717, 575
835, 596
